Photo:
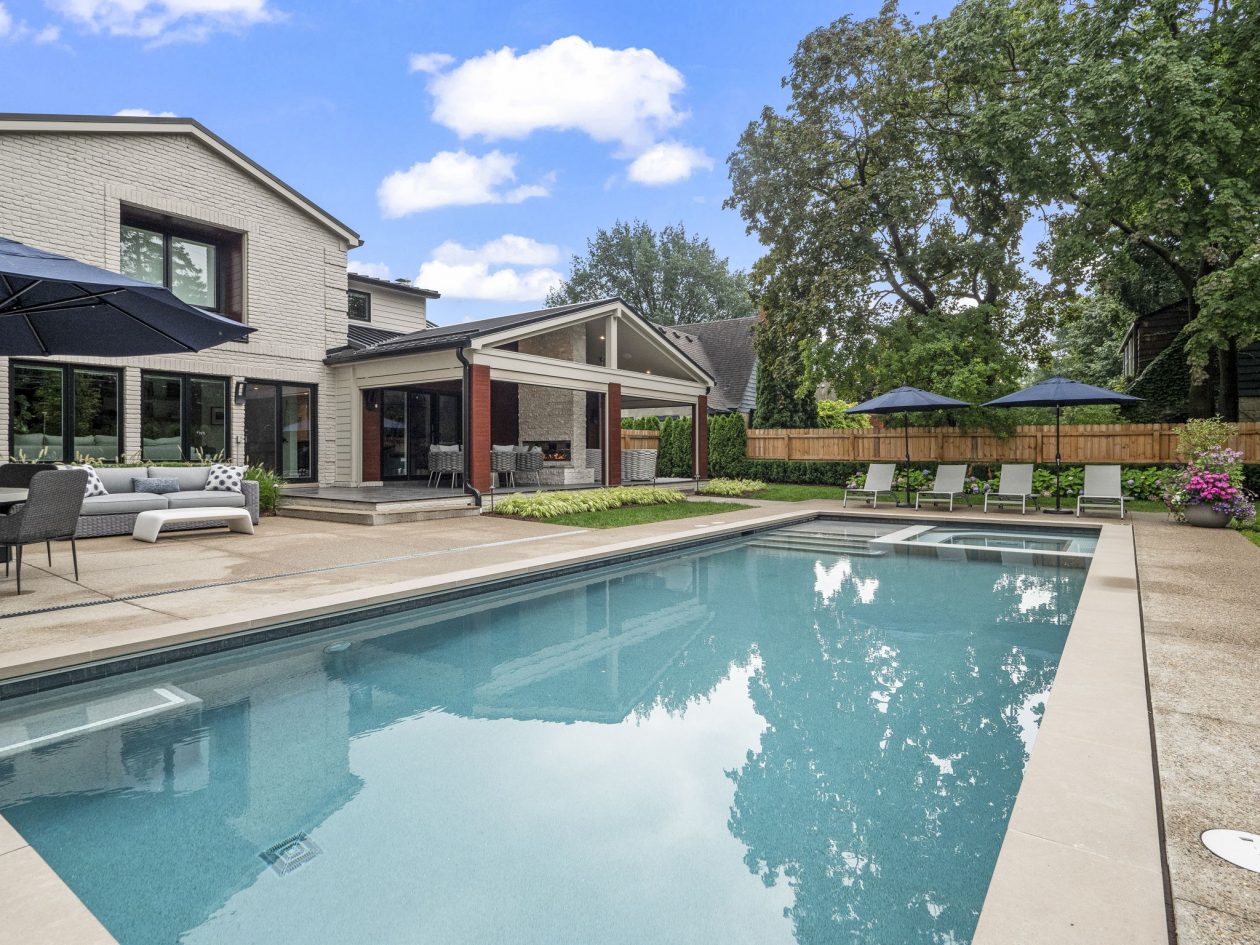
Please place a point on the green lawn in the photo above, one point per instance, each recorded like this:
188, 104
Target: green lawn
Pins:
643, 514
787, 492
1252, 535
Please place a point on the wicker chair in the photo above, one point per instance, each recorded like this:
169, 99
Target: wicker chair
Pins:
529, 460
638, 466
503, 465
51, 511
443, 461
19, 475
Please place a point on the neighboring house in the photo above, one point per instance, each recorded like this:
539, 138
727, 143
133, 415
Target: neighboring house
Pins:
1152, 334
724, 348
166, 200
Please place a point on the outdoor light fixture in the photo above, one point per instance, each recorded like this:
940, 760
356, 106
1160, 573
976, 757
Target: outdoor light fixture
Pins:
372, 399
238, 394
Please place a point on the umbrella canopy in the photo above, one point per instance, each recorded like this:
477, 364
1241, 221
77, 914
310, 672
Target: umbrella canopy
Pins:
54, 305
906, 400
1061, 392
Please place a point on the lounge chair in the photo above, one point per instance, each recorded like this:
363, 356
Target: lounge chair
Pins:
1014, 487
879, 478
948, 486
1102, 489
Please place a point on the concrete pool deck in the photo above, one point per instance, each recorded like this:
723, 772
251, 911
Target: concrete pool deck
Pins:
1081, 861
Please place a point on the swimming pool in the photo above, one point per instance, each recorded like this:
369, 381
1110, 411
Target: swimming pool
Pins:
766, 740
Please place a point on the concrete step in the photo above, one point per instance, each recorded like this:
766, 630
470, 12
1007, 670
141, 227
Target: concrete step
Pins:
366, 516
297, 500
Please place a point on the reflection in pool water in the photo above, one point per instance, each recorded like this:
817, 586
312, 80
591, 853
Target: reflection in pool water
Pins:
744, 744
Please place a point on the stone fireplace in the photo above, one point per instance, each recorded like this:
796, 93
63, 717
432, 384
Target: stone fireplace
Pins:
555, 419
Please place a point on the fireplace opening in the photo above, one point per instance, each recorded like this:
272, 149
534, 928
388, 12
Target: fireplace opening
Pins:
554, 451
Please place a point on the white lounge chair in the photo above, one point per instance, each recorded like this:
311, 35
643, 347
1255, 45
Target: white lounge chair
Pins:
1102, 489
1014, 487
879, 479
948, 485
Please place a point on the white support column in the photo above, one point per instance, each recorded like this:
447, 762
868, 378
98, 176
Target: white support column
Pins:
610, 342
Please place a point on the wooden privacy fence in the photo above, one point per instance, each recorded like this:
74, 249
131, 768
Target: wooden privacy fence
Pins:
1080, 443
640, 440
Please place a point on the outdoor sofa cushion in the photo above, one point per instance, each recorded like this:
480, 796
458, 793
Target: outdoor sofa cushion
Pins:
118, 479
205, 499
191, 478
158, 485
222, 477
123, 502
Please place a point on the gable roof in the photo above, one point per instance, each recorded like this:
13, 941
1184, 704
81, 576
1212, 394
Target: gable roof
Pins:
390, 284
128, 124
460, 335
725, 349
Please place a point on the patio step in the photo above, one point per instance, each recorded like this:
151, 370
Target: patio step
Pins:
368, 514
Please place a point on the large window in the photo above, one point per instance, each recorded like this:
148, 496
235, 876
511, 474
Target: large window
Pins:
359, 305
61, 413
280, 428
200, 264
183, 417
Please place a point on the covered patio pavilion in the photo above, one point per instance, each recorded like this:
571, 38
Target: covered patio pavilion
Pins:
556, 379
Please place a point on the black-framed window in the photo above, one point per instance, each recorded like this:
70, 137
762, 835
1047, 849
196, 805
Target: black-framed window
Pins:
65, 412
359, 305
281, 422
200, 264
183, 417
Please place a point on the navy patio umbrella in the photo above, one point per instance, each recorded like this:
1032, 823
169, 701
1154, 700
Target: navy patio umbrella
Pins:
907, 400
54, 305
1060, 392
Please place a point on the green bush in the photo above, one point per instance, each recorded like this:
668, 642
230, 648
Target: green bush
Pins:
674, 459
728, 446
269, 484
731, 487
831, 414
543, 505
1164, 386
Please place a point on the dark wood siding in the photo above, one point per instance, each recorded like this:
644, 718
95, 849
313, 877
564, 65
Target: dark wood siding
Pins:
1249, 371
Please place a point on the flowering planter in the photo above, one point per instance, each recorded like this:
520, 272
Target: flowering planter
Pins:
1204, 516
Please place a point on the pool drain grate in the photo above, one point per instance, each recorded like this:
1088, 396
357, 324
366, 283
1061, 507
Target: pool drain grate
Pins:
288, 855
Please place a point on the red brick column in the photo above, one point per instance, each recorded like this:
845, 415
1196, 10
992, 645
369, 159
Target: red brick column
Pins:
612, 424
370, 441
700, 437
479, 412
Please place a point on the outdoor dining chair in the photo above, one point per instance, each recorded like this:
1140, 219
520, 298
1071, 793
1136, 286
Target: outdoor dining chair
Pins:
948, 486
1102, 490
50, 513
1014, 487
19, 475
879, 481
503, 464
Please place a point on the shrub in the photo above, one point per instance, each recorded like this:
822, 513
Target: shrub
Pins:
269, 484
731, 487
543, 505
1206, 435
728, 445
831, 414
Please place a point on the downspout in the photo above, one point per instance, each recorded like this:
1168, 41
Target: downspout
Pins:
466, 410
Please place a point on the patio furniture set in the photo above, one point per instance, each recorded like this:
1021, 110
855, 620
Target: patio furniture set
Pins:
1015, 487
509, 462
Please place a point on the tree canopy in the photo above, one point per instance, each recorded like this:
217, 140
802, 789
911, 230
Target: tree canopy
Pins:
671, 277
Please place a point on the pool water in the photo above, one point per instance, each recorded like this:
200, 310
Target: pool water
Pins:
753, 742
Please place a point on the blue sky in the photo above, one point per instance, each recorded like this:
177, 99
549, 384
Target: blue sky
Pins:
438, 129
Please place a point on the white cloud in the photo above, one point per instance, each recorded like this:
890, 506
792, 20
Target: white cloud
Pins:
375, 270
432, 63
164, 21
142, 113
615, 95
667, 163
455, 178
487, 271
12, 30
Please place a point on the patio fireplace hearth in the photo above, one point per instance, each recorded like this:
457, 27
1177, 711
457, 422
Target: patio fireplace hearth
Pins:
554, 451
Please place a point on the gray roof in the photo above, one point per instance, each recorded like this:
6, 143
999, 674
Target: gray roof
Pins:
363, 336
458, 336
392, 284
724, 348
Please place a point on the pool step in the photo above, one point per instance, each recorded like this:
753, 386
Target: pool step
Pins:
819, 542
374, 515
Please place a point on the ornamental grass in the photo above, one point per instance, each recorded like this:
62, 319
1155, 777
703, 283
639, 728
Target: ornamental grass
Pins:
544, 505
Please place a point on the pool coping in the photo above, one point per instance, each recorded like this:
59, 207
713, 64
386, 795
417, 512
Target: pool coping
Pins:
1081, 860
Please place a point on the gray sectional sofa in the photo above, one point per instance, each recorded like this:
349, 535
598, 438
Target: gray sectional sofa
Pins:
115, 513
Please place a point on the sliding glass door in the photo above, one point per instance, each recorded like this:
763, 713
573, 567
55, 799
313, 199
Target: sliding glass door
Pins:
280, 428
412, 420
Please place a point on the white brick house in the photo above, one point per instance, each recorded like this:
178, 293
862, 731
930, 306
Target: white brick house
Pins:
167, 194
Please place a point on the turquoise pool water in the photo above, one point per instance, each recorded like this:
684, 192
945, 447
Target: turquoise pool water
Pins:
754, 742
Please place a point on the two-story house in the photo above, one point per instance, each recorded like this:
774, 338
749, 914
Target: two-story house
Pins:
167, 201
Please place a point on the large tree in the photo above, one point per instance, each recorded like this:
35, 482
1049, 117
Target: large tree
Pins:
886, 237
669, 276
1136, 125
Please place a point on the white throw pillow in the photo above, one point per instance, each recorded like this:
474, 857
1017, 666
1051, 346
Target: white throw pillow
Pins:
225, 478
94, 485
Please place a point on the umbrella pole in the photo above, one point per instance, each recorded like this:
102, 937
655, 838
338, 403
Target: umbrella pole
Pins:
905, 419
1058, 462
